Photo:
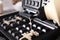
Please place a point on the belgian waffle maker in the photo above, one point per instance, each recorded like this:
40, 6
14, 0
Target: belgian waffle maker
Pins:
28, 25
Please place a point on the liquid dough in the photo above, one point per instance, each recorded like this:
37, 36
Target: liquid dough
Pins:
28, 35
52, 11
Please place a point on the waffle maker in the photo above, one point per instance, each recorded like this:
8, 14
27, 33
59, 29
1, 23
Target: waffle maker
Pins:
30, 24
